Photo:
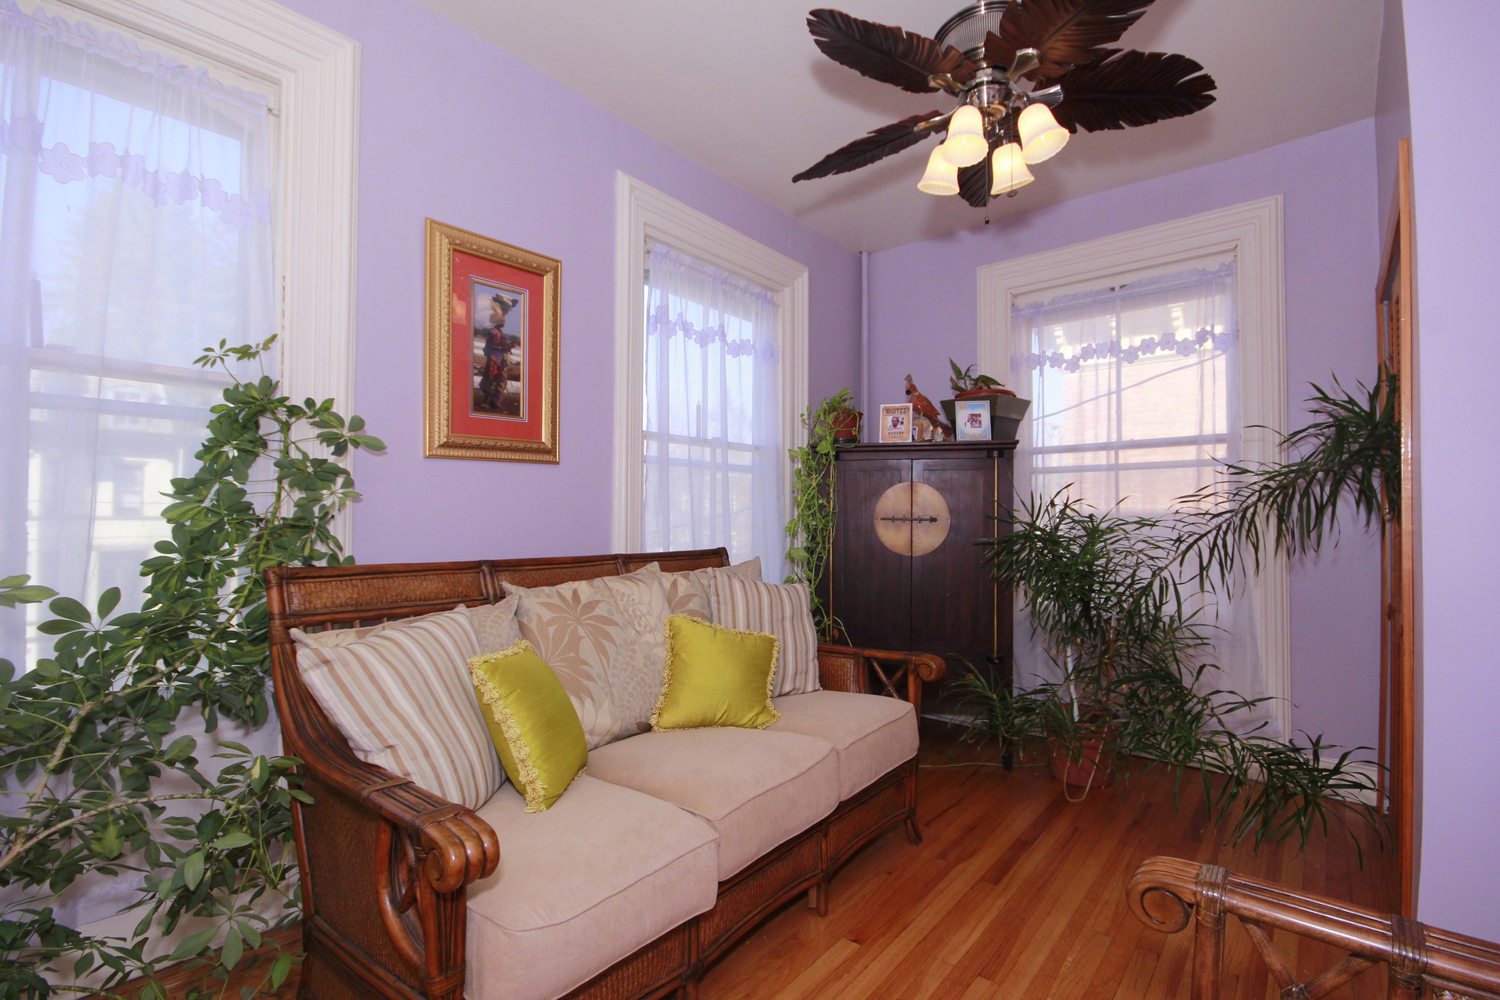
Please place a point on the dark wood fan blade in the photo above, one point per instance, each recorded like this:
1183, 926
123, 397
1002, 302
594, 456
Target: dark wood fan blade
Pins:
974, 183
1065, 33
1128, 89
877, 145
885, 53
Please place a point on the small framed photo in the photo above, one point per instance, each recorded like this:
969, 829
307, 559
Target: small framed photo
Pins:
895, 423
971, 419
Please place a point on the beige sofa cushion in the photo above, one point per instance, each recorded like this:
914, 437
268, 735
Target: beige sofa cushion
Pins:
603, 872
757, 788
691, 592
575, 627
784, 611
870, 733
403, 699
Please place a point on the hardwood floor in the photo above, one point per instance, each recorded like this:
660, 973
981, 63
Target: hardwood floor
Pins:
1018, 894
1015, 894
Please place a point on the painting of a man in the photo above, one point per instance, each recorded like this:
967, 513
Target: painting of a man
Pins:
499, 366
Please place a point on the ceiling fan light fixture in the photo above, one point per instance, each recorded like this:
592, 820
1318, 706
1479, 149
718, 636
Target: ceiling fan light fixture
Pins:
941, 177
1008, 170
965, 145
1041, 137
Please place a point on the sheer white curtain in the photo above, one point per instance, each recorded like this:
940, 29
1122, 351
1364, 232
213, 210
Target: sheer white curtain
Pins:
713, 438
1135, 403
135, 228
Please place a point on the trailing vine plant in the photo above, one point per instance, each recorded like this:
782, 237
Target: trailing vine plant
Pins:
86, 737
810, 530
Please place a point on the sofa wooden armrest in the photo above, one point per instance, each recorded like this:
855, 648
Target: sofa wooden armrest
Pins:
846, 668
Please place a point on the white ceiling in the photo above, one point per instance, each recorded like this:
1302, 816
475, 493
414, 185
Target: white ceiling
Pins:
741, 89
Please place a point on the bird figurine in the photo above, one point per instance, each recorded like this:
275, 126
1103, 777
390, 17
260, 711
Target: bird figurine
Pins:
924, 413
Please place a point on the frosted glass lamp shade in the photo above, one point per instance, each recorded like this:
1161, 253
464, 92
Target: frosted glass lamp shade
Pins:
965, 145
1008, 170
941, 176
1041, 137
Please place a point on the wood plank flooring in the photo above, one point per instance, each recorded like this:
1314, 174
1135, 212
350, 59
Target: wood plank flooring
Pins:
1015, 894
1018, 894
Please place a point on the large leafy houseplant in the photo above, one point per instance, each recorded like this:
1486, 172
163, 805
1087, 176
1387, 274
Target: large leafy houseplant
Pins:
1134, 671
810, 529
1107, 594
88, 735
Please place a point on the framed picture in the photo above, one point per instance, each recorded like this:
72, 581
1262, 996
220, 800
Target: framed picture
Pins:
971, 419
895, 423
492, 349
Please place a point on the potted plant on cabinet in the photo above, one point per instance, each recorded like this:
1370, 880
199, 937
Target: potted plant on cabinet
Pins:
1006, 408
1133, 673
832, 423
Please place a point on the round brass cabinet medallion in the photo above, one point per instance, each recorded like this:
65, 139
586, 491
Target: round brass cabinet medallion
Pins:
911, 519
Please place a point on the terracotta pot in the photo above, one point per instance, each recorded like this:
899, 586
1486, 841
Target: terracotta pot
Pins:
983, 390
845, 426
1091, 763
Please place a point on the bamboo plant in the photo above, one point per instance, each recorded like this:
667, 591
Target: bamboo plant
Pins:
89, 734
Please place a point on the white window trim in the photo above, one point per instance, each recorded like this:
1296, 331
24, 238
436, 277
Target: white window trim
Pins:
1253, 233
316, 73
642, 213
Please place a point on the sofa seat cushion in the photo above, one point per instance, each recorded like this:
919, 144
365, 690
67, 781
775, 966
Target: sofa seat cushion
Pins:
603, 872
756, 788
870, 733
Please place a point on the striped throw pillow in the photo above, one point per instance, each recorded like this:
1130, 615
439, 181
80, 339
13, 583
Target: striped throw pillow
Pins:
778, 608
403, 699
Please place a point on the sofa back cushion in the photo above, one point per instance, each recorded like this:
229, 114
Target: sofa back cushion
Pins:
691, 593
403, 699
782, 610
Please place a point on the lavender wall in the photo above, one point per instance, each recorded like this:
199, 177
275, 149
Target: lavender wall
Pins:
455, 129
923, 309
1392, 107
1454, 150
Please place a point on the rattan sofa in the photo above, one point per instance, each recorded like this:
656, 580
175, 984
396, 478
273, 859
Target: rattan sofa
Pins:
386, 866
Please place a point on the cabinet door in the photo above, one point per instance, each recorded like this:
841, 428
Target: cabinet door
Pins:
952, 593
871, 585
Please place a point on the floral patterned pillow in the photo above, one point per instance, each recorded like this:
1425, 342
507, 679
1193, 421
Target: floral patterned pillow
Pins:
692, 593
574, 627
604, 639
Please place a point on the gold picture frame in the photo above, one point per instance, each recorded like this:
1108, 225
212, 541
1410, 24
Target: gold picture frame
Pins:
492, 349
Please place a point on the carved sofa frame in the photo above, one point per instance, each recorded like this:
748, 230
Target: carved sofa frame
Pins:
385, 865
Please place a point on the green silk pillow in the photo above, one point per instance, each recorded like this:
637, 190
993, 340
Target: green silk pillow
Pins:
716, 677
532, 722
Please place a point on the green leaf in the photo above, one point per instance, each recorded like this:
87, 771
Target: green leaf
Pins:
192, 869
234, 946
230, 841
108, 601
192, 945
280, 968
68, 608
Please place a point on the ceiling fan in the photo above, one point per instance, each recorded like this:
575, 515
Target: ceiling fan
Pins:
1028, 74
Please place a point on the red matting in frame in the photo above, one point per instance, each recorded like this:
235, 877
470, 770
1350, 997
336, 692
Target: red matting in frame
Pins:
463, 420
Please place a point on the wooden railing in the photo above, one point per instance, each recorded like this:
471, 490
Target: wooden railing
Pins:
1167, 894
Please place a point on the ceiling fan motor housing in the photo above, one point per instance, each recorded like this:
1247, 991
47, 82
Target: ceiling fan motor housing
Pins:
967, 29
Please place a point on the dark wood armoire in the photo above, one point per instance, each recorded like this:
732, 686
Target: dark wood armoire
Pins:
907, 571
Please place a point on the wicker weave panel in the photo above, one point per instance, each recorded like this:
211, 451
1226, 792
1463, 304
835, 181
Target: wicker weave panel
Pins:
385, 594
754, 894
840, 671
317, 980
661, 962
883, 805
334, 832
551, 576
676, 562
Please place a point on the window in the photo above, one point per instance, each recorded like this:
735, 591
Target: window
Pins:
1150, 358
710, 382
712, 418
1131, 387
142, 205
